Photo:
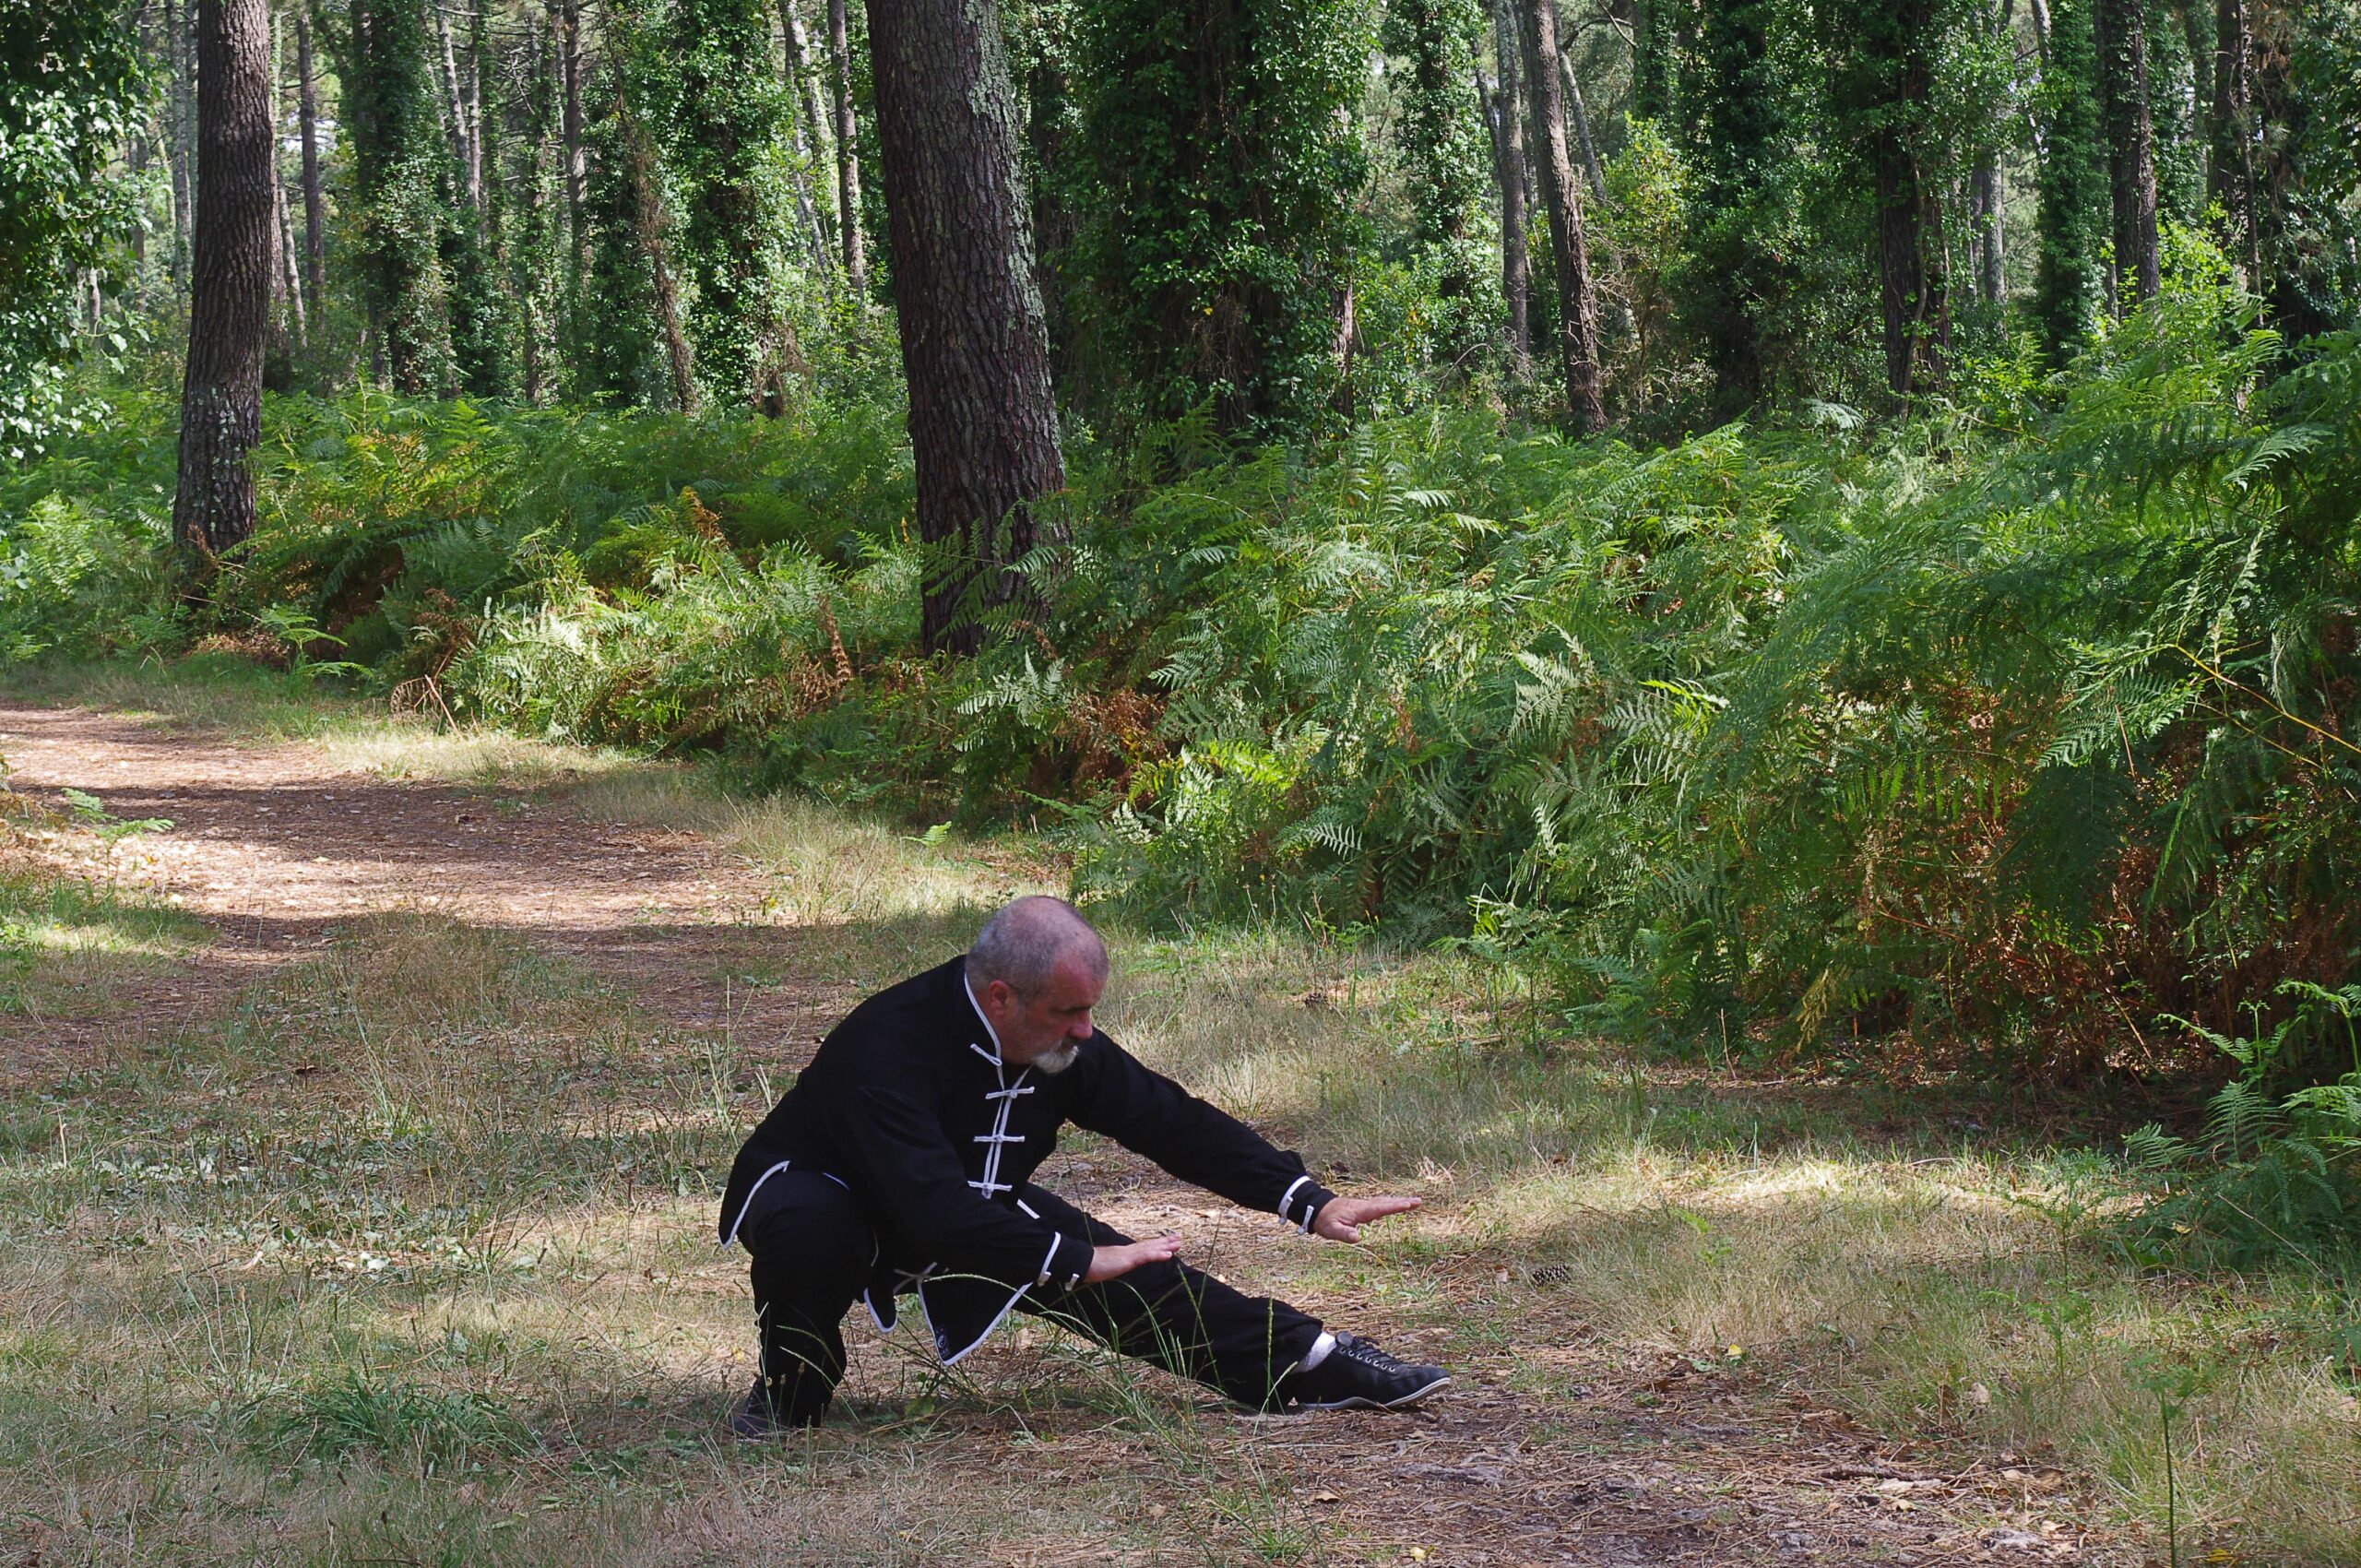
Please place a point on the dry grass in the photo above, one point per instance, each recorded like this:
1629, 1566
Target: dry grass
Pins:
403, 1261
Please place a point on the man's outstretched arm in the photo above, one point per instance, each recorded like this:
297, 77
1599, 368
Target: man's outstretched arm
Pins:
1151, 1115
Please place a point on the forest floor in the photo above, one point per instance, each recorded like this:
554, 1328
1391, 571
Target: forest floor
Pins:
359, 1133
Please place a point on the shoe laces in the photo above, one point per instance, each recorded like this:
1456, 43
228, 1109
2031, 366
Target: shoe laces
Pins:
1354, 1349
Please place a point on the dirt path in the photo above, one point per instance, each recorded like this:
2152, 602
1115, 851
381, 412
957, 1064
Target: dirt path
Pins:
1556, 1447
271, 847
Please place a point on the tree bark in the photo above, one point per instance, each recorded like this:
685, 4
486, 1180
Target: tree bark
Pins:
1594, 173
847, 155
478, 43
806, 131
647, 218
1912, 297
455, 112
307, 111
286, 285
975, 350
567, 16
2232, 174
230, 292
1508, 140
1561, 199
179, 152
1508, 170
1984, 216
2131, 146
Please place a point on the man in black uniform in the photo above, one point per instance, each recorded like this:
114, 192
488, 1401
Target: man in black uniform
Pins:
900, 1163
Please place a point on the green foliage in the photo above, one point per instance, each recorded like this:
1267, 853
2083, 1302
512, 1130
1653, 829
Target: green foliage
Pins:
727, 124
70, 89
358, 1414
2069, 281
399, 166
2276, 1179
1440, 133
1222, 166
2020, 729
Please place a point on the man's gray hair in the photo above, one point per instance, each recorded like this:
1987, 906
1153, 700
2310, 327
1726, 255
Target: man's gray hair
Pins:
1023, 942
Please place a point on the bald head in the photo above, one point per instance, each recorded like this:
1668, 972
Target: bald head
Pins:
1024, 945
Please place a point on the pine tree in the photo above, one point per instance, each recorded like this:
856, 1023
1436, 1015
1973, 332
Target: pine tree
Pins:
1440, 140
2128, 127
983, 423
2072, 181
231, 254
399, 158
729, 124
1222, 164
1887, 105
1561, 200
1738, 214
1506, 112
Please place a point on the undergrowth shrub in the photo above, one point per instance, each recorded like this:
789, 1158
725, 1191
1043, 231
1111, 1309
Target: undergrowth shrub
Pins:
2010, 730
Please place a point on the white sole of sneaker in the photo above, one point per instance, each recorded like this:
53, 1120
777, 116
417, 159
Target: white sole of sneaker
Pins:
1360, 1402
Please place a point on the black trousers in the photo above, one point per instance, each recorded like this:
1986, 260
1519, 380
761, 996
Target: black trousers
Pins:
815, 1253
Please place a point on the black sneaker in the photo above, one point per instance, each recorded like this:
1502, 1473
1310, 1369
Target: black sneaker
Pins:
1357, 1374
760, 1415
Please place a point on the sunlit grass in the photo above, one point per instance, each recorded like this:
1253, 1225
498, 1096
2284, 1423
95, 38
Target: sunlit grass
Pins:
409, 1252
68, 945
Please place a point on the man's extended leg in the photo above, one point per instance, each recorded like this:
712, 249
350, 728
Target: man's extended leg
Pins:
812, 1253
1182, 1319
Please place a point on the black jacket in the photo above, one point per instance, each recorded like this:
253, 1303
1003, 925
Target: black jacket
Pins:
909, 1107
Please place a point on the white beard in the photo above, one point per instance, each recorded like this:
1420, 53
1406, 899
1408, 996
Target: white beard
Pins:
1057, 1059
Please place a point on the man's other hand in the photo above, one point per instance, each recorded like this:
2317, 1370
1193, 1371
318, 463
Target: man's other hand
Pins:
1340, 1219
1113, 1263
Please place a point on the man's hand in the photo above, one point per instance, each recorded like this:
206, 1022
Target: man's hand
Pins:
1340, 1219
1113, 1263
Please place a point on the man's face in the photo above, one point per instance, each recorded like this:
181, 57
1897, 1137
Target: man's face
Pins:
1045, 1030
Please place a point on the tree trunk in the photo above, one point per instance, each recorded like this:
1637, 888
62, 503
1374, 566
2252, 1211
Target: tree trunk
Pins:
1561, 198
455, 113
807, 132
567, 16
1594, 173
2197, 31
2129, 130
286, 286
647, 219
1912, 298
230, 276
983, 425
316, 251
1910, 273
1508, 170
181, 67
847, 156
479, 41
2232, 174
1984, 217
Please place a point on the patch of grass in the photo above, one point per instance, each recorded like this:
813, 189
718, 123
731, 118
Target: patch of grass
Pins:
67, 945
435, 1154
434, 1428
